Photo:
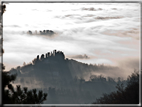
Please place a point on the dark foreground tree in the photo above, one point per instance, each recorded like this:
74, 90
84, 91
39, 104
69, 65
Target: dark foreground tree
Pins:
18, 95
128, 95
3, 9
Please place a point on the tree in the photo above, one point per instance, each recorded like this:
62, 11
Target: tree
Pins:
3, 9
19, 96
128, 95
24, 64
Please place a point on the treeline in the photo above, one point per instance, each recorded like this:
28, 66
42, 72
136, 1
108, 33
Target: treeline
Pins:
54, 65
44, 32
18, 95
60, 76
76, 91
123, 95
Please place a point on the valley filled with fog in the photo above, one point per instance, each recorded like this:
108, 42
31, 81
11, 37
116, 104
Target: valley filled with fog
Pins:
73, 51
65, 80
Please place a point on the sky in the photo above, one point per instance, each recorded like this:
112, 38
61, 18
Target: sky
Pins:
92, 33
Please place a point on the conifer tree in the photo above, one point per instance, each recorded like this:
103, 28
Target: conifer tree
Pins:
19, 95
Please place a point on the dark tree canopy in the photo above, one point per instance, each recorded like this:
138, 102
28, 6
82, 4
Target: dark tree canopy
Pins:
3, 9
19, 96
127, 95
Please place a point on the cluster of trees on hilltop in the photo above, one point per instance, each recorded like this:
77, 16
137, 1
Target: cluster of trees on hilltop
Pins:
54, 64
44, 32
54, 68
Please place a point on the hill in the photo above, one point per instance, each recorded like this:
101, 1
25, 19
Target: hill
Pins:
62, 78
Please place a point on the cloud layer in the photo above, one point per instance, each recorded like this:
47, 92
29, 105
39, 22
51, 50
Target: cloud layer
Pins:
106, 33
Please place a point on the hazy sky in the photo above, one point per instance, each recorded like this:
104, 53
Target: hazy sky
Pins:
106, 33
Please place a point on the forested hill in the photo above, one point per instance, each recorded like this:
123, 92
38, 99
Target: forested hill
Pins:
66, 79
55, 65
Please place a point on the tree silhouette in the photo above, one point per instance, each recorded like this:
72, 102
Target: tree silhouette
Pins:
3, 9
128, 95
19, 96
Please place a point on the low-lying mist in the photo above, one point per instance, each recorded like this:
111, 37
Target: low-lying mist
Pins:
60, 76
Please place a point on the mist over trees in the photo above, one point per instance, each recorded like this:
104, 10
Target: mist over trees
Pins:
123, 95
44, 32
64, 79
11, 95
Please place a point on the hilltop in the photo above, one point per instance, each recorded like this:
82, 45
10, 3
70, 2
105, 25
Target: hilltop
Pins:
64, 79
55, 65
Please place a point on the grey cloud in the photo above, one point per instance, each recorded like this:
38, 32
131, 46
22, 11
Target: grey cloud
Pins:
92, 18
114, 8
133, 33
16, 26
81, 56
67, 16
12, 26
88, 15
34, 10
105, 18
91, 9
